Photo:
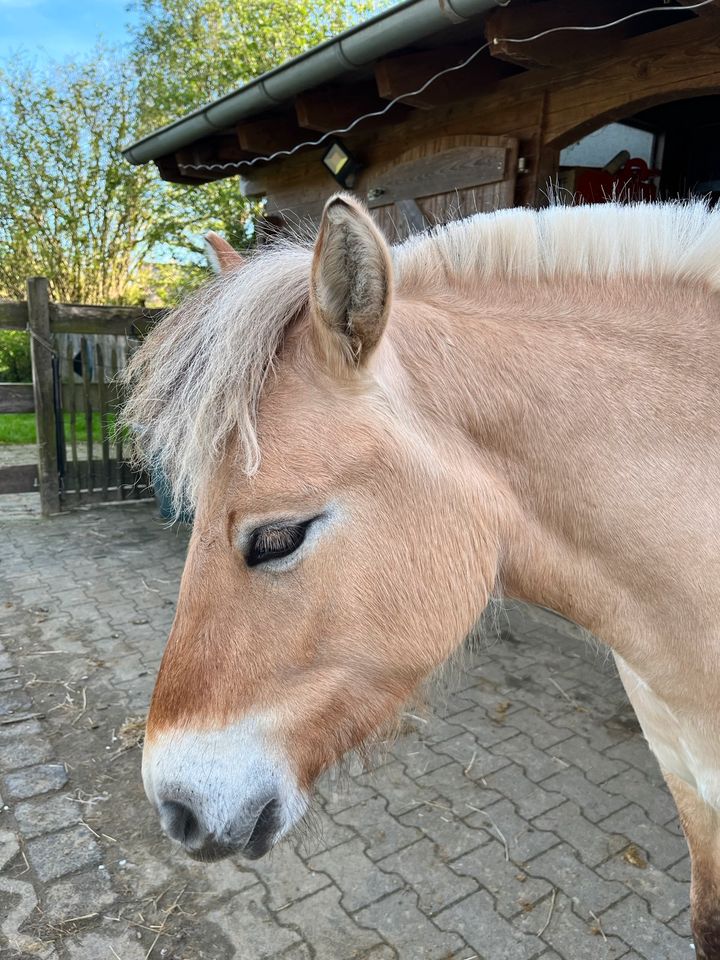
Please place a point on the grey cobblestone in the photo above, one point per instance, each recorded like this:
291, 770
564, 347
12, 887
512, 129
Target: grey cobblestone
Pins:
586, 887
596, 766
663, 847
448, 832
56, 854
595, 802
680, 870
631, 921
69, 898
458, 787
34, 780
582, 937
287, 877
400, 791
14, 701
334, 793
488, 731
359, 880
477, 921
513, 889
524, 841
665, 897
542, 733
247, 925
46, 814
406, 862
434, 883
648, 794
327, 833
94, 946
591, 843
537, 764
399, 919
530, 799
382, 833
681, 923
24, 752
333, 934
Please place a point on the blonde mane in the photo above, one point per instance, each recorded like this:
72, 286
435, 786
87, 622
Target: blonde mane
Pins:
677, 242
198, 377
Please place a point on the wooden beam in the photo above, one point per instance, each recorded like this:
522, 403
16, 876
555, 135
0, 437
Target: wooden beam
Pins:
170, 172
16, 398
210, 152
395, 76
117, 321
711, 11
671, 64
19, 479
268, 134
559, 49
43, 393
13, 315
335, 106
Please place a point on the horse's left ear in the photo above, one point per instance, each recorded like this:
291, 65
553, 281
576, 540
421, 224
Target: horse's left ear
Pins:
220, 254
351, 281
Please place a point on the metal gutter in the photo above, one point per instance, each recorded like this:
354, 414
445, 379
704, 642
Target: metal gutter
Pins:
401, 25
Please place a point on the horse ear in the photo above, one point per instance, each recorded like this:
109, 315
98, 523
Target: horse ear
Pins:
220, 254
351, 280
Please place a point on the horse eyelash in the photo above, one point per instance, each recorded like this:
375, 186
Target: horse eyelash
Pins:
275, 541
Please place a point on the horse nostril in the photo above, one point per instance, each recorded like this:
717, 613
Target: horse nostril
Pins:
263, 832
179, 822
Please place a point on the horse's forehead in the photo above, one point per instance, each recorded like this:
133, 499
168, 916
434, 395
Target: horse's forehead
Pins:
311, 438
299, 433
293, 412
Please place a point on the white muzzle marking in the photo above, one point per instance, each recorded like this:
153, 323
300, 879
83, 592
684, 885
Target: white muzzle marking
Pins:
222, 791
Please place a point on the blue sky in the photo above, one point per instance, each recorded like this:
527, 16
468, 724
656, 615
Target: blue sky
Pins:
59, 28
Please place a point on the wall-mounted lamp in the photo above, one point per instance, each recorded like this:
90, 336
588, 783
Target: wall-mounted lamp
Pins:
341, 163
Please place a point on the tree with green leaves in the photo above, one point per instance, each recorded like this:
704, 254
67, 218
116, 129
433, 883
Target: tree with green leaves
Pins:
15, 366
70, 208
189, 52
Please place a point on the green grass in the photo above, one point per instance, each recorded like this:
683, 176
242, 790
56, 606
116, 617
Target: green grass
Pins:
20, 428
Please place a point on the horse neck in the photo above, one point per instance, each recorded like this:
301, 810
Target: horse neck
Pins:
579, 402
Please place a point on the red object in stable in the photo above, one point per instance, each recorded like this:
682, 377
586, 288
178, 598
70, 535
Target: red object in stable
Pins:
632, 183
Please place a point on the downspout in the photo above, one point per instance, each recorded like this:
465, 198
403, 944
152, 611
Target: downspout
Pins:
401, 25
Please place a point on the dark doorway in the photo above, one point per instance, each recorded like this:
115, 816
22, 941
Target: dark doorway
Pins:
668, 152
690, 146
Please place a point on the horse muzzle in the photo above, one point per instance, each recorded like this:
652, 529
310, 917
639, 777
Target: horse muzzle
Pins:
221, 792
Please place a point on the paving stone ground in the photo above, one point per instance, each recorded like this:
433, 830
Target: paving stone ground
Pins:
523, 819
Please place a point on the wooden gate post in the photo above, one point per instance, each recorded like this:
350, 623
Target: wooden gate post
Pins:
42, 374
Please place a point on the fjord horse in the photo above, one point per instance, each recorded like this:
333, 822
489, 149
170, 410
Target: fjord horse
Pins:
375, 440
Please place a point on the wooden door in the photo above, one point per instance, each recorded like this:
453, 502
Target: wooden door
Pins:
443, 179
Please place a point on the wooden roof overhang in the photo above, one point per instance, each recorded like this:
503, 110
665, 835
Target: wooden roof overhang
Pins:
547, 93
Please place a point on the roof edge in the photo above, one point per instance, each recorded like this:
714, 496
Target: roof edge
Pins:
397, 27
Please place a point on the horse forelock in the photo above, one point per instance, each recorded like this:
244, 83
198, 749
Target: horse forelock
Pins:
198, 376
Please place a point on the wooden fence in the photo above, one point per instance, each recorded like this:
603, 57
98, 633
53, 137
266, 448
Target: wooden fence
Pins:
68, 471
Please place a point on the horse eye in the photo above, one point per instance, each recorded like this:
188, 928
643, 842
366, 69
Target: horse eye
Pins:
275, 541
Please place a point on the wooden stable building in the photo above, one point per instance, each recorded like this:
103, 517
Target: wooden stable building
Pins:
493, 133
